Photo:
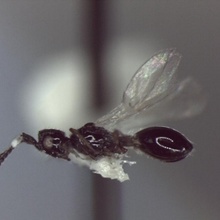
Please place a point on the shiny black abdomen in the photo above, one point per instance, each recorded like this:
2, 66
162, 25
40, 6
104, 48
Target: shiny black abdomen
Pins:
164, 143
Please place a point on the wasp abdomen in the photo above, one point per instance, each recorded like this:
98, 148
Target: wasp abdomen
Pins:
164, 143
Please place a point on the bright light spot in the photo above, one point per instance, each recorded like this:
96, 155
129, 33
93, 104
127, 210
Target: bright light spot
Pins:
57, 92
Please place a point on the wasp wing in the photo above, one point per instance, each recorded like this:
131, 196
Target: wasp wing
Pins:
153, 81
186, 100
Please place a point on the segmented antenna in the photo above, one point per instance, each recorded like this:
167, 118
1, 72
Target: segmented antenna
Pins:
5, 154
26, 138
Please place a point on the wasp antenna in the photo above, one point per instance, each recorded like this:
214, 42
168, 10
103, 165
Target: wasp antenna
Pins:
15, 142
26, 138
5, 154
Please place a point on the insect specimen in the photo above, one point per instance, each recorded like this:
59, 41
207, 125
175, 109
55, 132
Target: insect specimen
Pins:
102, 146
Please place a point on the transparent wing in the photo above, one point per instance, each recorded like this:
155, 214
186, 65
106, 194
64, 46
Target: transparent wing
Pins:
151, 85
186, 100
153, 81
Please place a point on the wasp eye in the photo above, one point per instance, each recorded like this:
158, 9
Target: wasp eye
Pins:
164, 143
49, 142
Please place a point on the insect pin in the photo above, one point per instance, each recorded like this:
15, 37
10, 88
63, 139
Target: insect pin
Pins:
150, 96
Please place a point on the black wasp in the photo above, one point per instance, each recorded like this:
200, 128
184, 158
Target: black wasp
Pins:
102, 147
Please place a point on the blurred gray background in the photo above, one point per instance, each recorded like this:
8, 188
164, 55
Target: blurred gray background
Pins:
66, 62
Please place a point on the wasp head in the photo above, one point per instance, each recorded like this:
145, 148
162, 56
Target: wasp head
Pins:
53, 142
